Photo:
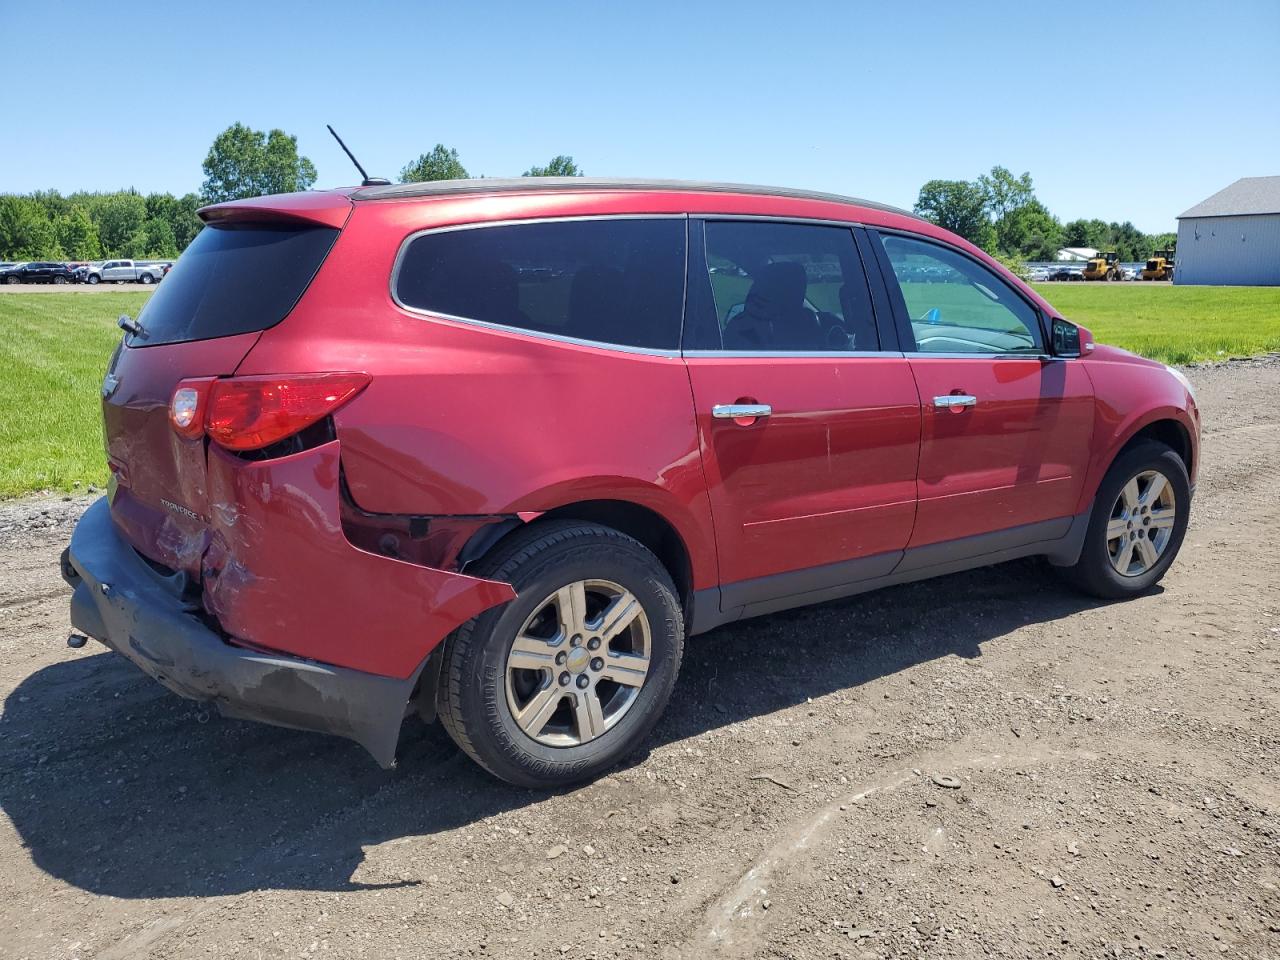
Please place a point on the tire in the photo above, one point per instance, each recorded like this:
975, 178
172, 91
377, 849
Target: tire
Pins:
60, 280
93, 278
1097, 572
147, 279
12, 280
480, 692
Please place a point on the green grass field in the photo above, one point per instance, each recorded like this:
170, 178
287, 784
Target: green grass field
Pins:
54, 349
1170, 323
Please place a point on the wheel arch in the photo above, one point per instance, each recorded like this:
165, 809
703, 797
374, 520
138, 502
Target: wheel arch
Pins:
1168, 431
641, 522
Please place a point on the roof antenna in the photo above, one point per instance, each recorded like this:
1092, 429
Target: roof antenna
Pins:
368, 181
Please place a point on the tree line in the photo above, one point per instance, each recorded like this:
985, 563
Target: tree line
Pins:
242, 162
999, 212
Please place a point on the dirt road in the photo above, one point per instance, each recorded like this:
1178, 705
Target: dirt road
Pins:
983, 765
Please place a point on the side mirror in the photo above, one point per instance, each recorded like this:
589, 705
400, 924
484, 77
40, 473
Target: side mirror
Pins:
1067, 339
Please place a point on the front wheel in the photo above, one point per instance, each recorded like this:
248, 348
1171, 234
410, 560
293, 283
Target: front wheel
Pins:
569, 678
1139, 519
94, 279
12, 280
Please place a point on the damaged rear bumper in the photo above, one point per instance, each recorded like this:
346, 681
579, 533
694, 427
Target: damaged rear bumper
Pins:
143, 615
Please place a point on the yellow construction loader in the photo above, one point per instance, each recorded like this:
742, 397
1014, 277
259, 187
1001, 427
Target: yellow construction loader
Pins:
1160, 266
1105, 266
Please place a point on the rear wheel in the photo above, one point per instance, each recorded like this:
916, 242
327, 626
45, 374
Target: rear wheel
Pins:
1139, 519
148, 279
569, 678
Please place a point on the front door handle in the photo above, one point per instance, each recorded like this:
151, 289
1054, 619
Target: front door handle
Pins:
740, 411
954, 400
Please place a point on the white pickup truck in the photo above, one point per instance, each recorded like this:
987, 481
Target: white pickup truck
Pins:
124, 271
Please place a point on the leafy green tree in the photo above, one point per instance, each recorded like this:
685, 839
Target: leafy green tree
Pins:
1129, 242
154, 240
958, 206
1086, 233
1003, 192
120, 216
1030, 232
26, 233
77, 234
186, 224
441, 163
561, 166
250, 163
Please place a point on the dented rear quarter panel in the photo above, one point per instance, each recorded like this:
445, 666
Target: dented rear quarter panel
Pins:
280, 573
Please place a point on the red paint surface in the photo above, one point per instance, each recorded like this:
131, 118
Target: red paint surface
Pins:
280, 573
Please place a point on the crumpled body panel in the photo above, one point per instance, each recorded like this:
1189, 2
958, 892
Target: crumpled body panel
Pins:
281, 574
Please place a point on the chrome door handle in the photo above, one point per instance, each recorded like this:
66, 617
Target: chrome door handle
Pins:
740, 411
955, 400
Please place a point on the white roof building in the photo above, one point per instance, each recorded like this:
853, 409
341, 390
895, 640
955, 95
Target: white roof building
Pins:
1077, 254
1233, 237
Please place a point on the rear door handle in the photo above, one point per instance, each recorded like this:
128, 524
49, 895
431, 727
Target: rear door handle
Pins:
740, 411
955, 400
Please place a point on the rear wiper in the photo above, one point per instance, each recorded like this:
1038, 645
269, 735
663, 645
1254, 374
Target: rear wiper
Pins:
131, 326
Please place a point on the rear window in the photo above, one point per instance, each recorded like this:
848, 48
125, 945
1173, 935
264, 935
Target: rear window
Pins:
234, 279
609, 281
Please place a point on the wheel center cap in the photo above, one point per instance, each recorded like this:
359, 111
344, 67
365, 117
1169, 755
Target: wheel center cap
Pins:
578, 661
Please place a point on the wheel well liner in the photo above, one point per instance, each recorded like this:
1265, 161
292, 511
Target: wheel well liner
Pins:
1169, 432
641, 523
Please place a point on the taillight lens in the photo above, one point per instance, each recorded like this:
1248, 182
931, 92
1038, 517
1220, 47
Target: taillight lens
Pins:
187, 407
248, 413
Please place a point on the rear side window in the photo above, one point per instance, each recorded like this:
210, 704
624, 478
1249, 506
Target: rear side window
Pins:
609, 281
784, 288
234, 279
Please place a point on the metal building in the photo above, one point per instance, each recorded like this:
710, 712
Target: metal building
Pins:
1232, 238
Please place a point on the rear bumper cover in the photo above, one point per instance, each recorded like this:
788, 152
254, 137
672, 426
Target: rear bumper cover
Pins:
150, 619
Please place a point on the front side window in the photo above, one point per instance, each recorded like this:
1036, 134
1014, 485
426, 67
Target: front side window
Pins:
785, 288
608, 281
955, 305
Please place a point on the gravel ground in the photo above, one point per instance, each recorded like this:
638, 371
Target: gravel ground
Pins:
982, 765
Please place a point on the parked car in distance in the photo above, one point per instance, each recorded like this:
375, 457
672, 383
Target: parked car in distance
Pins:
37, 272
123, 271
495, 450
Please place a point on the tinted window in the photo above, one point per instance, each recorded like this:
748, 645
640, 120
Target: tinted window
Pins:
958, 306
234, 279
611, 281
783, 287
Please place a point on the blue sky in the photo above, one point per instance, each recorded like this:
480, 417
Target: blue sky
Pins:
1136, 113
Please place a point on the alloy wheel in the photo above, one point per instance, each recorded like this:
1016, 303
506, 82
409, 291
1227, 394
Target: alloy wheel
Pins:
578, 663
1141, 523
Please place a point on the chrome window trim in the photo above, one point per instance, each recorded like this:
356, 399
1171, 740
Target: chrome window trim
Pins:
521, 331
925, 355
789, 354
777, 218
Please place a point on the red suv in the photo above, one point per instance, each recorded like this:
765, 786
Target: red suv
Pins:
492, 450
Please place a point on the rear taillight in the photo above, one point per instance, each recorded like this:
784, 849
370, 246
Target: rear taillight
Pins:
249, 413
187, 408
